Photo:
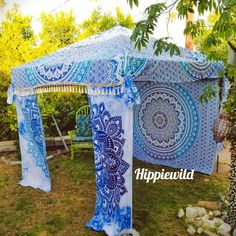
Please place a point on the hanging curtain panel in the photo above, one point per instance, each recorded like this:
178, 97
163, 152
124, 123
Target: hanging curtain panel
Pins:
112, 125
172, 128
35, 171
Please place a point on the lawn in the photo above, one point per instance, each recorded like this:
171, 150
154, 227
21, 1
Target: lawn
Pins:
65, 211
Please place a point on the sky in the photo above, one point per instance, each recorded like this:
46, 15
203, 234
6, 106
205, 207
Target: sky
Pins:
82, 9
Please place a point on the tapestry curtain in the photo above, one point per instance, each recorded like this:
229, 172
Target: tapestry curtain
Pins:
172, 128
34, 166
112, 125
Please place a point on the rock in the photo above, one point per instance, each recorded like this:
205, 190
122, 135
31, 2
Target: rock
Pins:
205, 217
217, 213
190, 221
198, 221
201, 211
191, 230
208, 204
224, 229
210, 213
181, 213
226, 202
191, 212
218, 221
128, 232
209, 233
200, 230
224, 213
234, 233
224, 217
222, 197
206, 180
209, 224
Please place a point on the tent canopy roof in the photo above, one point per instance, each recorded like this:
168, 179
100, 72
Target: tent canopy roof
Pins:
105, 58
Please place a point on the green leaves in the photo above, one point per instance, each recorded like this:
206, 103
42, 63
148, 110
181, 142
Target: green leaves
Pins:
207, 94
99, 22
145, 28
195, 28
133, 2
161, 45
58, 30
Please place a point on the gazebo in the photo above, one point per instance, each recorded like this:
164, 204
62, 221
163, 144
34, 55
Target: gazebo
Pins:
168, 123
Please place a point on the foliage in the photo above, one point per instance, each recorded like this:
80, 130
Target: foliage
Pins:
99, 22
211, 39
63, 107
16, 47
225, 24
218, 52
145, 28
57, 31
19, 44
207, 94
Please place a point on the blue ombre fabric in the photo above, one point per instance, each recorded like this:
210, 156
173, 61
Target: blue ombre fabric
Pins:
112, 125
34, 166
172, 128
105, 59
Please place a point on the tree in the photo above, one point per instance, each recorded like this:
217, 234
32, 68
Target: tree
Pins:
99, 22
225, 24
219, 51
19, 44
16, 47
57, 31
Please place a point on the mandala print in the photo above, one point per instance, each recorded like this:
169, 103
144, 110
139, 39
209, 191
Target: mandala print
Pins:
198, 70
166, 122
110, 167
31, 129
63, 72
135, 65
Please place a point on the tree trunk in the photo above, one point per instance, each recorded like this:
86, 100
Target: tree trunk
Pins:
188, 38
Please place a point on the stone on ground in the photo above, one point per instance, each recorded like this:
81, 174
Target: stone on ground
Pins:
191, 230
224, 229
181, 213
191, 212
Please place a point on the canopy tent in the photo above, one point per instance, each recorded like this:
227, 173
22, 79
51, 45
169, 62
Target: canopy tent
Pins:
105, 67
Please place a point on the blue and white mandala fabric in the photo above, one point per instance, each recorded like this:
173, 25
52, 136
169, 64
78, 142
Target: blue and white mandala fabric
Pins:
35, 171
166, 122
112, 124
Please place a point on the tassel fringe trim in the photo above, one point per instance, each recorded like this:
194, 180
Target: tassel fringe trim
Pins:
71, 88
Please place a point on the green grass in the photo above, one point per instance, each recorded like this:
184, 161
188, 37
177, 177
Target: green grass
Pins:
28, 212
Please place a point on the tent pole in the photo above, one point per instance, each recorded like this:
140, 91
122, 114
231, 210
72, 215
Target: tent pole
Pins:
59, 132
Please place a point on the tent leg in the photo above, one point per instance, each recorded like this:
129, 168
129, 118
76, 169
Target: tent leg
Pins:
59, 132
